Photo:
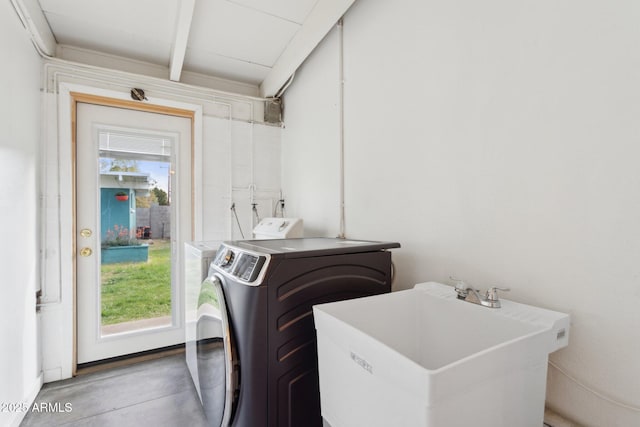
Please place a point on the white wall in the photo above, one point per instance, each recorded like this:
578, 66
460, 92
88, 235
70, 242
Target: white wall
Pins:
20, 123
310, 158
241, 166
498, 142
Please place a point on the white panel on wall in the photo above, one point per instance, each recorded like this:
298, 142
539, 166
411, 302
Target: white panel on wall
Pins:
266, 149
310, 153
242, 154
51, 203
241, 165
216, 179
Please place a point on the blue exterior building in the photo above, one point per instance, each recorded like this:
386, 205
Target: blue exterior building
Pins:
114, 212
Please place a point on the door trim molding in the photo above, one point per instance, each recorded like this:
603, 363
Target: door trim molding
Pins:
69, 96
130, 105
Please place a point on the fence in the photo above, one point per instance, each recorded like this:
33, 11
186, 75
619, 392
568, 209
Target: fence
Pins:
158, 218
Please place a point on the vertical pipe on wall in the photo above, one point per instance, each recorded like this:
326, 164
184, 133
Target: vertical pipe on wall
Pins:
50, 201
252, 185
341, 123
42, 190
230, 163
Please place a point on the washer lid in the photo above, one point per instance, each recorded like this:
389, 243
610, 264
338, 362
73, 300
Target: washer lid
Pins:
311, 246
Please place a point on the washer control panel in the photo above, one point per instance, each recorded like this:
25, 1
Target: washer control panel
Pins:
242, 265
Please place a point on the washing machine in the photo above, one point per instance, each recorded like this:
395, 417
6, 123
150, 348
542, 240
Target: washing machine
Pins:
256, 342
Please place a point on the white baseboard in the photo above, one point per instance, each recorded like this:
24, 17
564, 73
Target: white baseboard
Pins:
28, 399
52, 375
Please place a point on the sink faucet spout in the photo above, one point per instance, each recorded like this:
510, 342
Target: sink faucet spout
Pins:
470, 294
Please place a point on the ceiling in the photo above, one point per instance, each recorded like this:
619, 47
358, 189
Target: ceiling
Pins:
260, 42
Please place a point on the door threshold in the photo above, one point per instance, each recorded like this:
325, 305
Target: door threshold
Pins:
128, 359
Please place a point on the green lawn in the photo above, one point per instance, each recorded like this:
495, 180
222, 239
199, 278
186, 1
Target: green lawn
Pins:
133, 291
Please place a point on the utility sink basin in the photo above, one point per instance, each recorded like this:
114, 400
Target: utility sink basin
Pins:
421, 357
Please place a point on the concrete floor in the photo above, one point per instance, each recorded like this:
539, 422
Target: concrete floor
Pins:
156, 393
152, 393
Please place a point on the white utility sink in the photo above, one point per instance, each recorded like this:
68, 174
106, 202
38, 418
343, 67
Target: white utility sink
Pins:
421, 357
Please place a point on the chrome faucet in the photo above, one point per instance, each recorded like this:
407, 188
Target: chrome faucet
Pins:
470, 294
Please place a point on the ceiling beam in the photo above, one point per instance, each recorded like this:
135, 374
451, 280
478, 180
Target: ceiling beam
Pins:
179, 47
320, 21
36, 23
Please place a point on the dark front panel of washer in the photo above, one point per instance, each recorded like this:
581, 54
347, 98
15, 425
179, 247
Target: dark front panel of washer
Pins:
294, 286
247, 307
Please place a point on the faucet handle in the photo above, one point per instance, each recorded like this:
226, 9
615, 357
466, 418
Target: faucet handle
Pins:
492, 293
460, 287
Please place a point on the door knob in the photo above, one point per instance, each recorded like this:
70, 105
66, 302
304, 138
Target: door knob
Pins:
85, 232
85, 252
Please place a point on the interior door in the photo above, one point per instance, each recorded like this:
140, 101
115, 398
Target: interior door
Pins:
118, 150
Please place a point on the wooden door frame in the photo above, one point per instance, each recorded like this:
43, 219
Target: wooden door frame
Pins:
80, 97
